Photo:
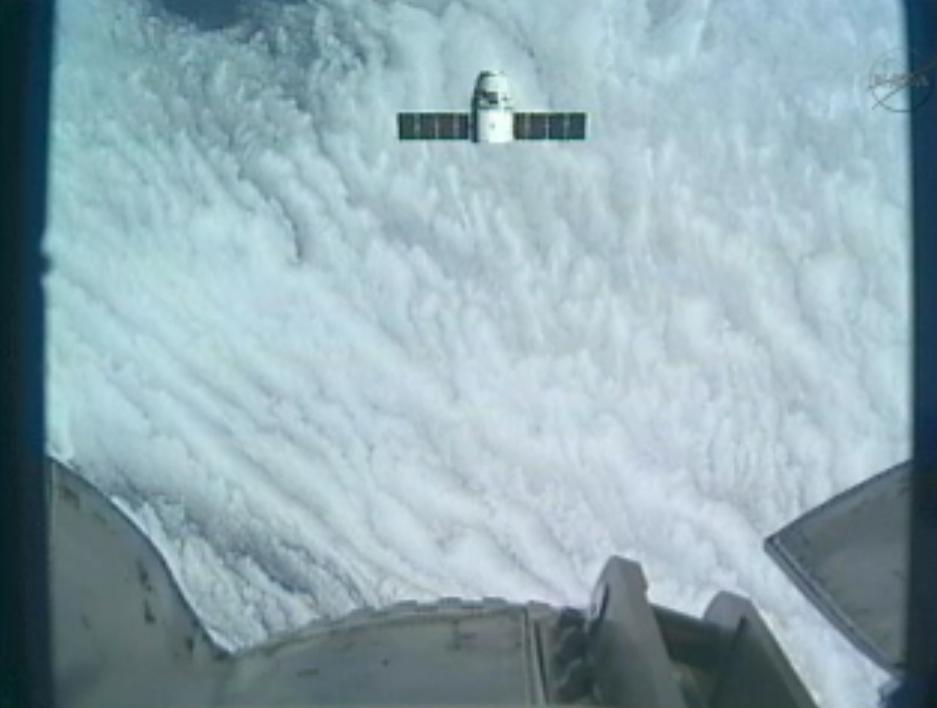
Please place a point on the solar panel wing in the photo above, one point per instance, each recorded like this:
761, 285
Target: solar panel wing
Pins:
549, 126
433, 126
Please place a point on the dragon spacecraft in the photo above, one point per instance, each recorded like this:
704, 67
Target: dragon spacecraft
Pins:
492, 119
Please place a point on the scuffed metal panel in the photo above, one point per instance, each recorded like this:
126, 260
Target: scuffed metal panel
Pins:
125, 636
849, 556
122, 632
440, 654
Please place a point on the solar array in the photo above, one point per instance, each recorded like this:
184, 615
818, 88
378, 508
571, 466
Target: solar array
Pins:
433, 126
457, 126
549, 126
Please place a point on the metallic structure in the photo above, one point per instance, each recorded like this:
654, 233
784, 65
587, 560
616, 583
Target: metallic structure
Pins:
492, 119
124, 635
850, 557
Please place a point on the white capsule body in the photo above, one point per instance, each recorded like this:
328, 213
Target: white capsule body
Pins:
492, 109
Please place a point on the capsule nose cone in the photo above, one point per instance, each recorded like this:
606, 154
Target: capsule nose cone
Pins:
494, 81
